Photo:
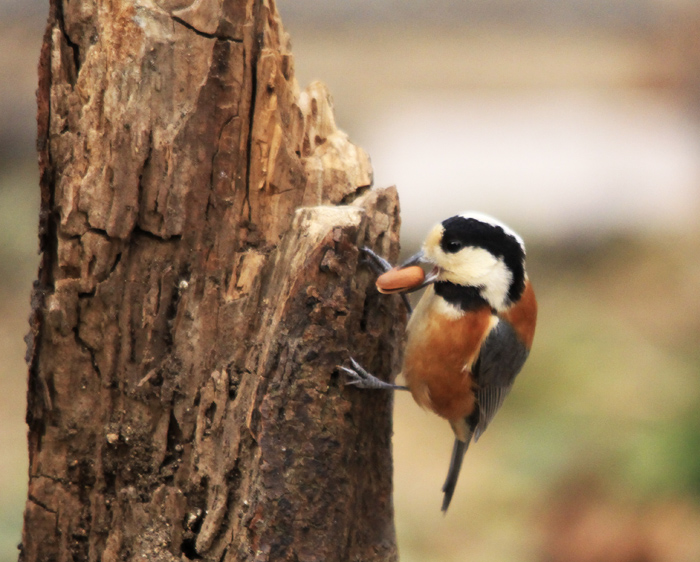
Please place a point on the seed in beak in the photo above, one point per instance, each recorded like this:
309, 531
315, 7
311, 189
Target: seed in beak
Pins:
398, 280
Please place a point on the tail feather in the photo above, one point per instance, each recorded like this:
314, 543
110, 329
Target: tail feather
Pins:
458, 451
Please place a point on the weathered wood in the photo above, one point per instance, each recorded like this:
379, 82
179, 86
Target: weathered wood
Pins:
200, 281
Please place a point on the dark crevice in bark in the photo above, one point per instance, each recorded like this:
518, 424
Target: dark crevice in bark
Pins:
212, 200
117, 260
52, 478
188, 549
75, 48
144, 169
254, 58
36, 385
219, 36
38, 393
85, 347
99, 231
173, 450
351, 197
41, 504
139, 231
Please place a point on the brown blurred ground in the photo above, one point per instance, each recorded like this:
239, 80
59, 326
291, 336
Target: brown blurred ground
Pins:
595, 456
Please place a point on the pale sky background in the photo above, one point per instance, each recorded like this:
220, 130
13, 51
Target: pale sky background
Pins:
562, 128
563, 118
551, 161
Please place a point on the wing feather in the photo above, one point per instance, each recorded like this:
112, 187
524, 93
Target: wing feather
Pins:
501, 357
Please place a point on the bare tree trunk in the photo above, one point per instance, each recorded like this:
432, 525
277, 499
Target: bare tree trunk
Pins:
194, 298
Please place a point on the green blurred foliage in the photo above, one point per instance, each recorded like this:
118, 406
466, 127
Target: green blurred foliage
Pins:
19, 206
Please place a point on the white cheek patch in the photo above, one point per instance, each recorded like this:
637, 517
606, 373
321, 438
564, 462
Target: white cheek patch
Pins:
496, 288
469, 264
479, 268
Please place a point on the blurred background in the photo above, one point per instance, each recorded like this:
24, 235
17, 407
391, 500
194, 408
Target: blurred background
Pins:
577, 122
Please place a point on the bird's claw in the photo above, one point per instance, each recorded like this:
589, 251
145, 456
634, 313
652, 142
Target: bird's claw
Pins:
360, 378
376, 262
354, 377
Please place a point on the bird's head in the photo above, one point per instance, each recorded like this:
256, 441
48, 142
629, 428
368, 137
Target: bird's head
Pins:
476, 251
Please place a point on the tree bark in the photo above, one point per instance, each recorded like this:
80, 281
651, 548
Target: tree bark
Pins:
200, 281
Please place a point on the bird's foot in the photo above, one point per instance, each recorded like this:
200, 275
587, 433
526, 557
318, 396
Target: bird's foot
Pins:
359, 377
375, 262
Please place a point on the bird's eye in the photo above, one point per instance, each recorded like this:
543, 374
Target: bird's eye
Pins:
453, 246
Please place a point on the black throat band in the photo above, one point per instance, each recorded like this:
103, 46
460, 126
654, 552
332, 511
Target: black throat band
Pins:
464, 297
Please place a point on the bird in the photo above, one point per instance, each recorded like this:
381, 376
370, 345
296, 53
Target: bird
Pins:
471, 331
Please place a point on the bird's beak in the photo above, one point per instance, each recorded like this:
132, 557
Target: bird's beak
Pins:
415, 259
407, 277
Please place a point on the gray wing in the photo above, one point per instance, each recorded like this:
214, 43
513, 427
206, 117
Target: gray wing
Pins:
500, 360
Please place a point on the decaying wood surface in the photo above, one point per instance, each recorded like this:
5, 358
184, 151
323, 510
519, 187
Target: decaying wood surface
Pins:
200, 281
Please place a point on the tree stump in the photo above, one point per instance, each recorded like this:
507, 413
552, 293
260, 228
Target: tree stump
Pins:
200, 282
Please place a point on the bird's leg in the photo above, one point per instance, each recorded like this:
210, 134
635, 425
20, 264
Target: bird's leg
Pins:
375, 262
379, 265
360, 378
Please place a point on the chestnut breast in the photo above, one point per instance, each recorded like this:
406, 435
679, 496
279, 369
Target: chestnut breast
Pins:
442, 345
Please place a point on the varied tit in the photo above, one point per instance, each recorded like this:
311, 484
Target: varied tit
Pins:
471, 331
